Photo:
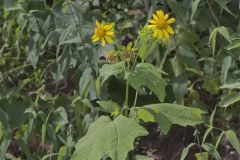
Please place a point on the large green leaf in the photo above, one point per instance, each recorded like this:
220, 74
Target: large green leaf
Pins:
109, 70
109, 139
177, 114
148, 75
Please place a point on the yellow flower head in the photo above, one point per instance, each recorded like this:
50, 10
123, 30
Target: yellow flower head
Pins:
160, 24
103, 32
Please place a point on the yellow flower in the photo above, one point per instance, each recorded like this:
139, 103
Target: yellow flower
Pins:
103, 32
160, 24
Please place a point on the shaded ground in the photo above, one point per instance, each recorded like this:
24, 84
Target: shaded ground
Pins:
170, 147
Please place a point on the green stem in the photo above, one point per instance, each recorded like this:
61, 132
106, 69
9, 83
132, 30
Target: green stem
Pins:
165, 53
126, 96
127, 90
135, 100
136, 94
135, 59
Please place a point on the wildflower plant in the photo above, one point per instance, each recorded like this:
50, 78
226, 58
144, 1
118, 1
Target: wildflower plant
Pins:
76, 88
113, 135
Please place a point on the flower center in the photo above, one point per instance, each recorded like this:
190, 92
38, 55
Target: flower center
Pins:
101, 32
161, 24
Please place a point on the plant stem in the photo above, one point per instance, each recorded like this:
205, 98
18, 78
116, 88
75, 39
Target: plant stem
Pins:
135, 59
198, 143
135, 100
127, 90
165, 53
127, 85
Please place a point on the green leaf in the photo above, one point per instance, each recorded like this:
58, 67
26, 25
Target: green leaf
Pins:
232, 138
108, 138
185, 151
9, 3
179, 11
15, 111
211, 149
147, 47
180, 88
194, 7
187, 57
233, 45
202, 156
147, 115
109, 70
231, 85
230, 99
211, 84
145, 74
178, 114
207, 133
72, 40
110, 107
222, 4
224, 32
163, 121
226, 64
85, 82
141, 157
61, 153
213, 38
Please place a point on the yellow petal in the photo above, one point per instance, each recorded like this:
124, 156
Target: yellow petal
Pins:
102, 24
108, 26
160, 14
110, 33
98, 24
171, 20
103, 41
94, 36
151, 26
95, 39
108, 39
166, 16
170, 30
165, 33
155, 17
152, 21
160, 34
156, 33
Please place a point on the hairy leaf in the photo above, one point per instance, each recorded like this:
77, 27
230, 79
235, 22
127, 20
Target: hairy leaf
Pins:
108, 70
108, 138
178, 114
148, 75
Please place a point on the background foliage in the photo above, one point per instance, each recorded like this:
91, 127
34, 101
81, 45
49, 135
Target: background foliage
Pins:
50, 91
